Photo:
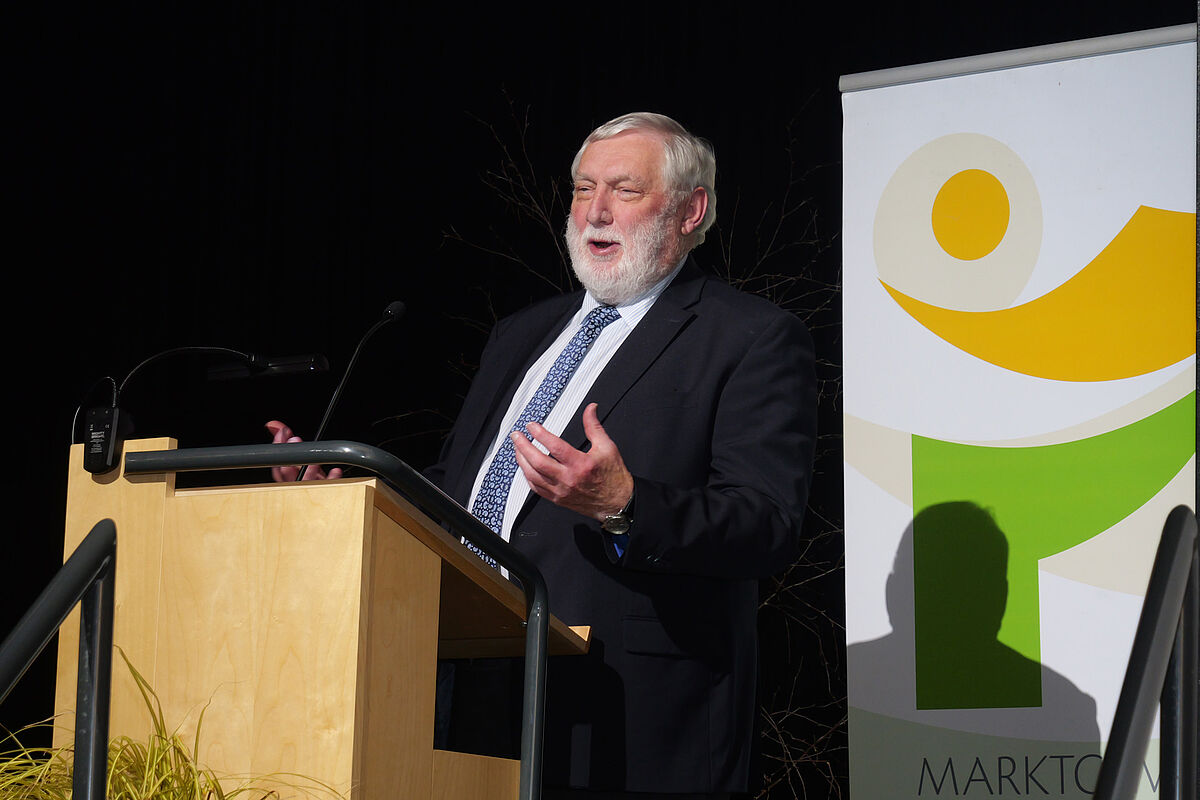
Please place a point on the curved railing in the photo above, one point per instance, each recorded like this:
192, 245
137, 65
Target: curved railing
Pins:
87, 577
1162, 668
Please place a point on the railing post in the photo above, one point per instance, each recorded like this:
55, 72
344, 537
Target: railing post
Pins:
1161, 660
1177, 747
87, 577
92, 697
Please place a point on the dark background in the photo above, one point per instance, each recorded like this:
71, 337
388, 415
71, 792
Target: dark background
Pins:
268, 176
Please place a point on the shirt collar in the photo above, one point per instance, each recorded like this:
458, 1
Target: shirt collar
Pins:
633, 310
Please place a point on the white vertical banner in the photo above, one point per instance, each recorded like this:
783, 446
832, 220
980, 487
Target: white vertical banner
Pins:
1019, 318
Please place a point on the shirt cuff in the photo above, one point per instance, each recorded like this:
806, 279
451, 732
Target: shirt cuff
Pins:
619, 542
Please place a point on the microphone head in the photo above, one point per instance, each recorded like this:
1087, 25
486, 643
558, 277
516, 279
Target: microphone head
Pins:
395, 310
255, 366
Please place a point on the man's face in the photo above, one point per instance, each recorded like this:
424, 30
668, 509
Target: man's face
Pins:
624, 232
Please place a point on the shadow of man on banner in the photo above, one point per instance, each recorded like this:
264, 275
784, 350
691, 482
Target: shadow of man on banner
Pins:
943, 664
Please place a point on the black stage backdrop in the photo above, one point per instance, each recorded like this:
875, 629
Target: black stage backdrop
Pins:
267, 176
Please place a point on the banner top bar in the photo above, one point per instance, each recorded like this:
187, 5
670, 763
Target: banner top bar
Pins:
1017, 58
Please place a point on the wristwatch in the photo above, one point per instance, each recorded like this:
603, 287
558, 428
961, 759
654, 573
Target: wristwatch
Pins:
620, 522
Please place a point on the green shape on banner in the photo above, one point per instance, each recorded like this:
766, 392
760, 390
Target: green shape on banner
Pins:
1044, 499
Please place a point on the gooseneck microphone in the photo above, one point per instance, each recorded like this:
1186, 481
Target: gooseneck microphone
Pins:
394, 311
105, 427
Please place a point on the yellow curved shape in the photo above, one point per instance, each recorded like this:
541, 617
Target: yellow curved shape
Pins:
1129, 312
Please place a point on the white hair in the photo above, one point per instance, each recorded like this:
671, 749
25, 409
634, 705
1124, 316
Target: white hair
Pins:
688, 163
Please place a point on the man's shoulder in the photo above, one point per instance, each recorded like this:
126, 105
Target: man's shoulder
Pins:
720, 292
736, 308
540, 312
706, 295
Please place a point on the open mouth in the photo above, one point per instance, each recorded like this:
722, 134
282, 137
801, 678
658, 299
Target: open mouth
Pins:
602, 247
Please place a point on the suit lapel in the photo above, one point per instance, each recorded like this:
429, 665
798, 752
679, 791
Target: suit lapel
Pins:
662, 323
526, 346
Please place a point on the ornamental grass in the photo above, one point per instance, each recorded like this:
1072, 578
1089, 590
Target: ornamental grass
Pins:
162, 767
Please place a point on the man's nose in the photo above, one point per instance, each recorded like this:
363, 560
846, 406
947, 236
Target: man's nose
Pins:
600, 210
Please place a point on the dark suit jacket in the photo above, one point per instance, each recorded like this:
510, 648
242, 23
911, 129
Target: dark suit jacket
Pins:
711, 401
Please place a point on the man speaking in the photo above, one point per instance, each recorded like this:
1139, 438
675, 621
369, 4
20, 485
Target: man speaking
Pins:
648, 444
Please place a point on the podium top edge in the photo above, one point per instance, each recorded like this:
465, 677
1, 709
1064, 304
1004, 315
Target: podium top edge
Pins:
234, 488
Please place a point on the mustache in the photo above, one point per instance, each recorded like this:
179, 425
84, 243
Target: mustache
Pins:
593, 234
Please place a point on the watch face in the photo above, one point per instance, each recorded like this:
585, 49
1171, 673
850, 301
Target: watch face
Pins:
616, 524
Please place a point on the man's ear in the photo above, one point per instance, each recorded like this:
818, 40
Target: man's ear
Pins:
694, 209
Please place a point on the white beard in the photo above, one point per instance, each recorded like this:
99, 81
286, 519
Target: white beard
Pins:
647, 256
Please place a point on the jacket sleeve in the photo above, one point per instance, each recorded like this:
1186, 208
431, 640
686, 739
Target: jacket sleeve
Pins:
745, 523
442, 473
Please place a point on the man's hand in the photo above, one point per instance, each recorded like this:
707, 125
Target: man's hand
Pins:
283, 434
595, 484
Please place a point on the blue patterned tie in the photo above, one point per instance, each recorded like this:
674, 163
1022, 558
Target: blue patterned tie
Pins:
492, 499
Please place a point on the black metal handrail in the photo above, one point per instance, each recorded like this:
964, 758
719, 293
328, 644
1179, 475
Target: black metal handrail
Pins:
87, 577
434, 501
1162, 666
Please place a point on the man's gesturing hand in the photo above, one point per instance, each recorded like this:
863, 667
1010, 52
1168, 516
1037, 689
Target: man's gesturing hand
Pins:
282, 434
595, 484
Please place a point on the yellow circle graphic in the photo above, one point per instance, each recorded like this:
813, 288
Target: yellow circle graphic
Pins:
970, 214
959, 224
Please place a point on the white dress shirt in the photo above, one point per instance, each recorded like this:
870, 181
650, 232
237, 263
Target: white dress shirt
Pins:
597, 357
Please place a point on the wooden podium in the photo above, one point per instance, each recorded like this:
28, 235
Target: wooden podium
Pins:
303, 620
